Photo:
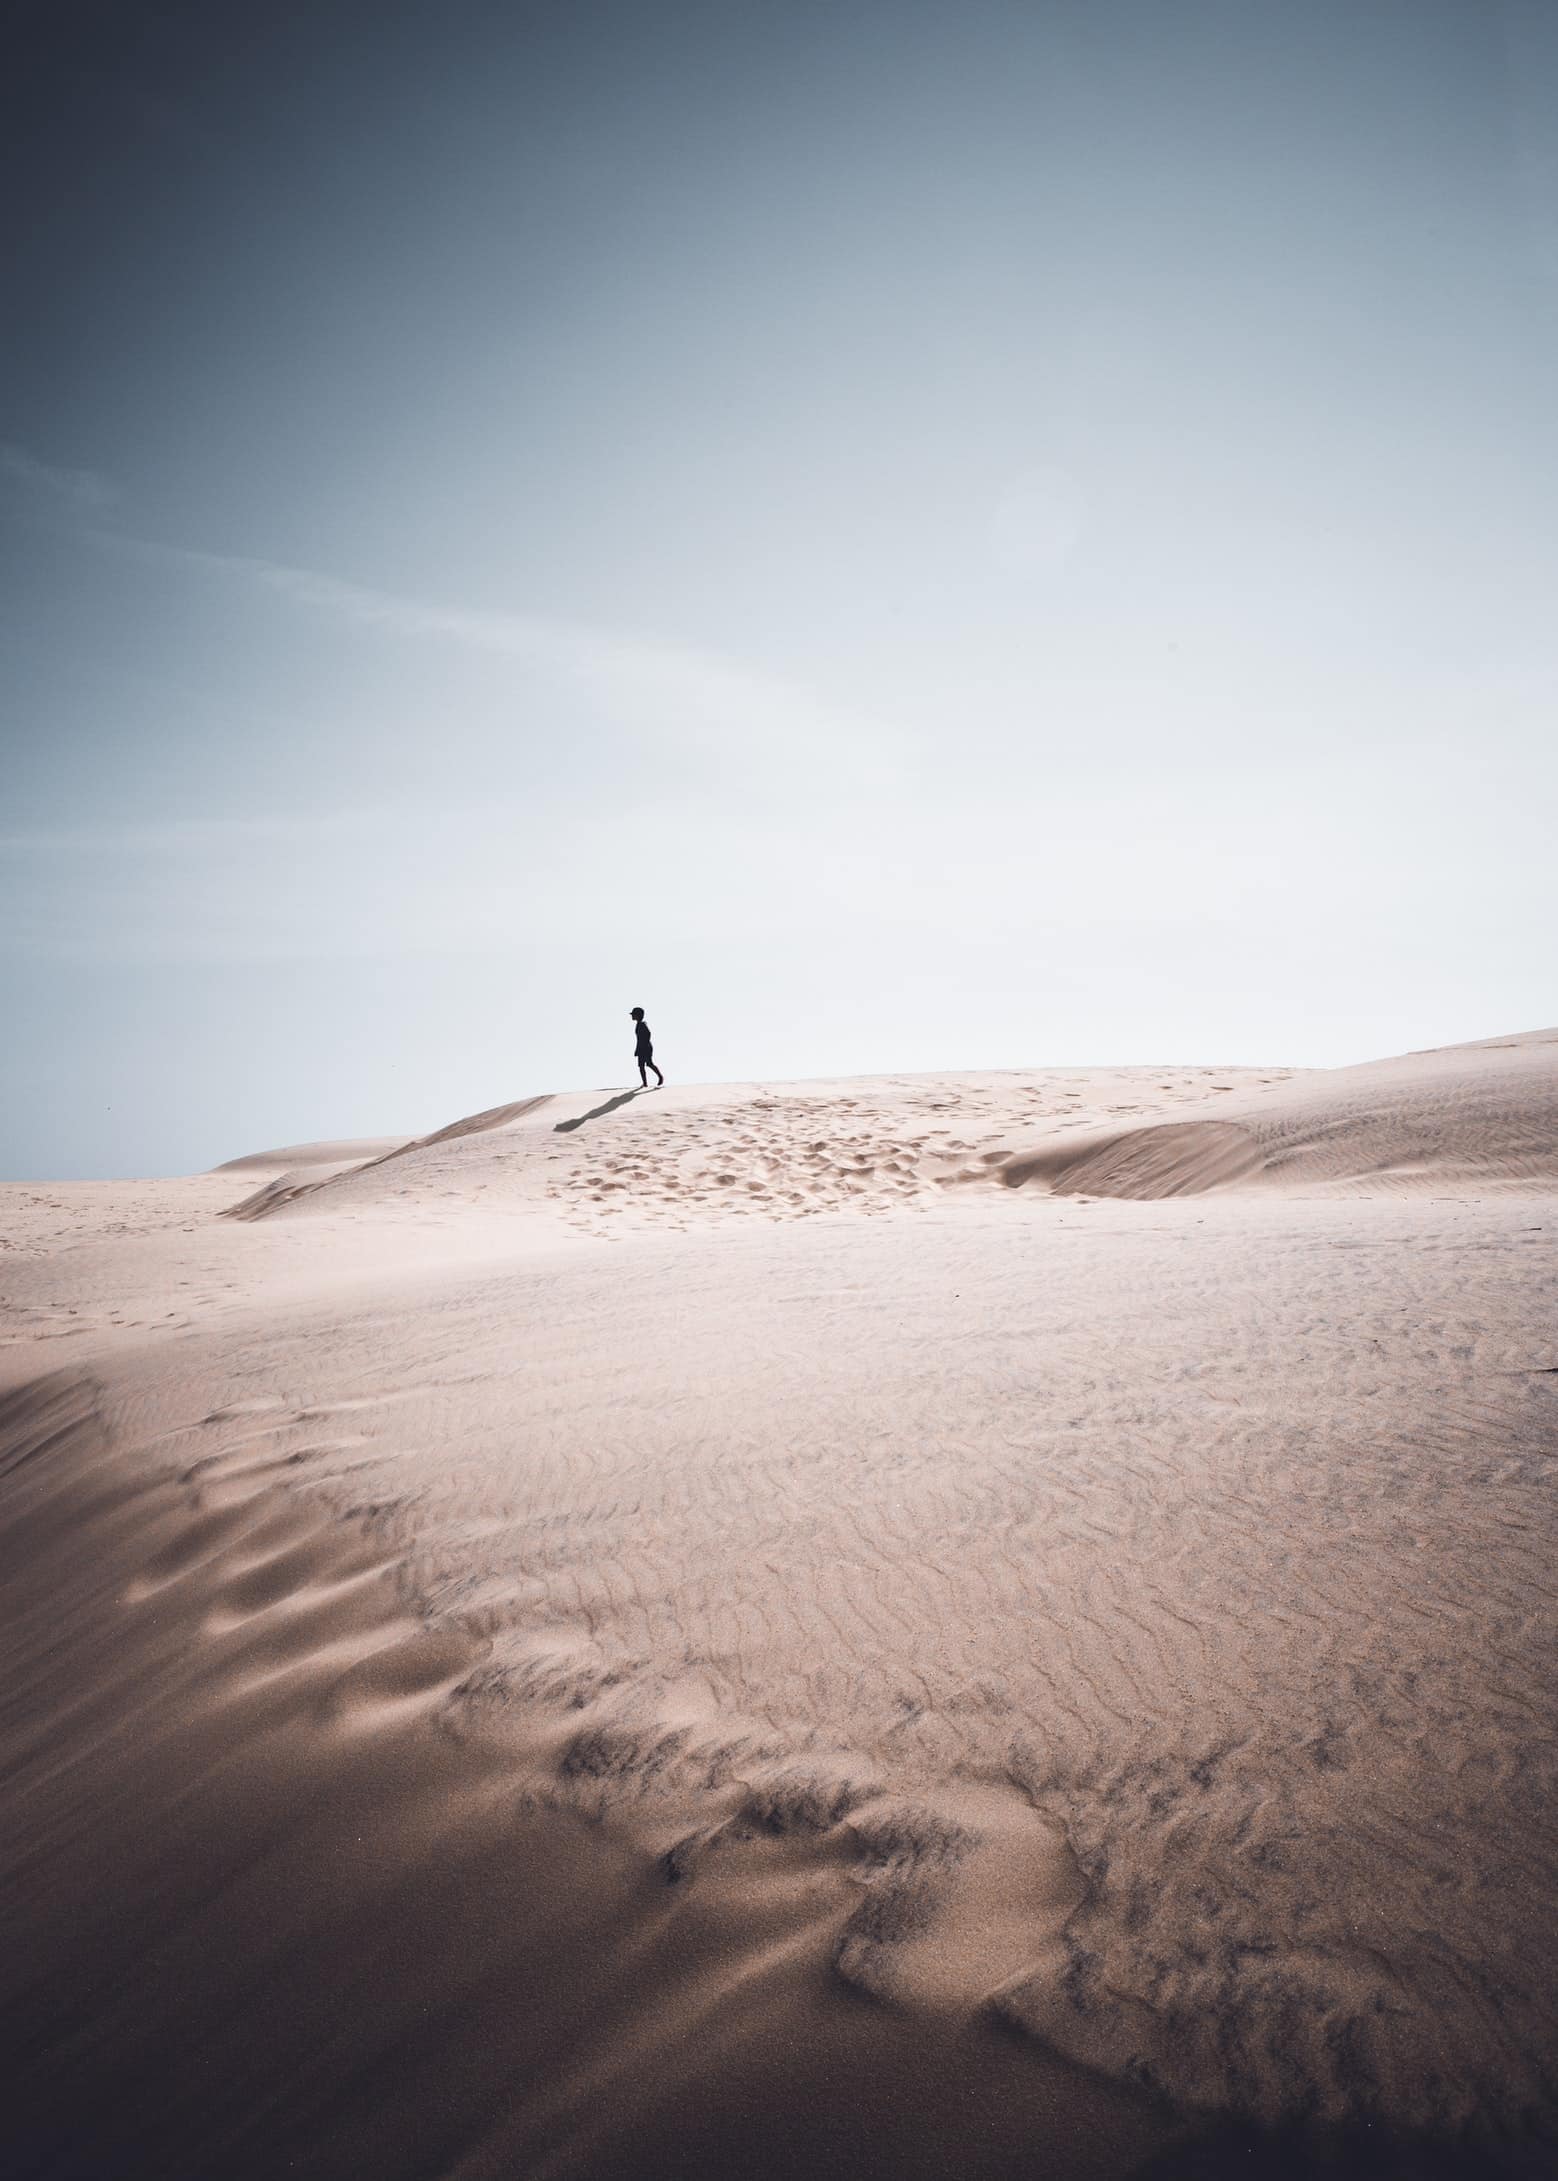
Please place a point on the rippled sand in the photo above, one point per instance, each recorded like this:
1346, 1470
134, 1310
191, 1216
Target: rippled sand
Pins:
986, 1624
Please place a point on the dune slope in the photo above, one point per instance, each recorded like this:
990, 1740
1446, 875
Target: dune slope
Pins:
269, 1911
1478, 1117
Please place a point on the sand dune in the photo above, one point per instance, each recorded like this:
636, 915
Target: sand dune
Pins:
614, 1158
1479, 1117
302, 1176
346, 1151
701, 1632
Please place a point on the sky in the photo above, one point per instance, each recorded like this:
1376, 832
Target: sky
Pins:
894, 536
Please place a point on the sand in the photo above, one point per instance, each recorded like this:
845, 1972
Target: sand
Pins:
987, 1624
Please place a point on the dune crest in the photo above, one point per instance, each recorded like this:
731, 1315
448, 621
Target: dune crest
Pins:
305, 1177
595, 1162
341, 1153
1480, 1117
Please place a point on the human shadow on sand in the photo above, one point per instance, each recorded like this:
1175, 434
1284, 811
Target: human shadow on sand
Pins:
564, 1128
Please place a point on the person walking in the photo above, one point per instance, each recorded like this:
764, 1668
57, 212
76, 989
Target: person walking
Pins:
644, 1051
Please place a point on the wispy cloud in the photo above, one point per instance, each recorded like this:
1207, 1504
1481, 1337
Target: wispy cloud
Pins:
394, 883
186, 837
696, 696
790, 775
81, 489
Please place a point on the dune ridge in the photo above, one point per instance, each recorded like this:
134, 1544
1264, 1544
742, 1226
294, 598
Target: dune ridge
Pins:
337, 1154
1457, 1117
303, 1178
598, 1162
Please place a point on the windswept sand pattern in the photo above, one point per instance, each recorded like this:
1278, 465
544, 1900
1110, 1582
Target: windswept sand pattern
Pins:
1329, 1886
320, 1931
1277, 1678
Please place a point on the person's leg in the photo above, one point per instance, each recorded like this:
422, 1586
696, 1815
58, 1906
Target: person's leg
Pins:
659, 1078
643, 1071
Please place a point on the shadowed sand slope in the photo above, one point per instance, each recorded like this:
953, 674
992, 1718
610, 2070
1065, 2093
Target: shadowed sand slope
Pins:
275, 1905
1479, 1117
672, 1635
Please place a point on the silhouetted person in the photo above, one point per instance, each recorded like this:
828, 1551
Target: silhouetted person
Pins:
644, 1050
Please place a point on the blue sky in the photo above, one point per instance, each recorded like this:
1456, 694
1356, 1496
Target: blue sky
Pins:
893, 536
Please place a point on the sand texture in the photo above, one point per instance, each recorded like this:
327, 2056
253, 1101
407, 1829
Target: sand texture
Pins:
997, 1624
